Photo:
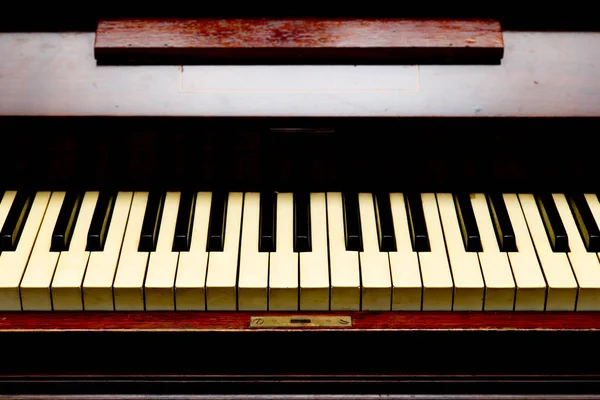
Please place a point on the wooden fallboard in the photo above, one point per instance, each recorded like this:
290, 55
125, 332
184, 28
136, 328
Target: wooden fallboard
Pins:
176, 41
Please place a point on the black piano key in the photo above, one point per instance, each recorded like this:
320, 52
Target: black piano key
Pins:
302, 226
216, 224
65, 223
183, 225
588, 228
467, 222
416, 222
151, 223
100, 222
267, 222
385, 222
553, 223
501, 221
352, 226
15, 221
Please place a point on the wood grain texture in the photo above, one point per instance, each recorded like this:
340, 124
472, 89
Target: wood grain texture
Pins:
542, 74
240, 321
179, 41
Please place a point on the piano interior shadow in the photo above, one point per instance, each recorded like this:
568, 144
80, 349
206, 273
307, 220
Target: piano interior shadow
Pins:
361, 154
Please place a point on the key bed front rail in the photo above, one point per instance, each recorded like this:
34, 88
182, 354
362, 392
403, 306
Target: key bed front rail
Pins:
423, 355
192, 321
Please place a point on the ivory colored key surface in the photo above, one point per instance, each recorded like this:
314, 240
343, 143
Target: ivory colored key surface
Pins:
159, 287
191, 269
435, 268
344, 265
466, 271
585, 265
221, 279
254, 265
35, 286
314, 265
562, 286
131, 270
102, 265
374, 264
283, 262
404, 262
529, 279
497, 274
72, 264
14, 263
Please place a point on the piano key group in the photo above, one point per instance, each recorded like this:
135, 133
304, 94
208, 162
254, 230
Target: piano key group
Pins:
274, 251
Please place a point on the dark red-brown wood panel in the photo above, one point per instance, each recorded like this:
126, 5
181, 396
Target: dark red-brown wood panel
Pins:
239, 321
292, 40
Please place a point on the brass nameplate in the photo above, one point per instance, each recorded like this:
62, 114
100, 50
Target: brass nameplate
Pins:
300, 321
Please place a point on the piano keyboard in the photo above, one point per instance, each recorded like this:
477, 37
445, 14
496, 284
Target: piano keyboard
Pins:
299, 251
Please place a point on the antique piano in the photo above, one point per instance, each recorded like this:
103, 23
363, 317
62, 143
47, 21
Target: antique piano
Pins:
299, 231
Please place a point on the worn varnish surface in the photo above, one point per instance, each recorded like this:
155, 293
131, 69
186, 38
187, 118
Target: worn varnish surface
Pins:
350, 40
542, 74
236, 321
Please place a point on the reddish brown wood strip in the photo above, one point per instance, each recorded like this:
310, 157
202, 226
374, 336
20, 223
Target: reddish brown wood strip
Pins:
235, 321
339, 40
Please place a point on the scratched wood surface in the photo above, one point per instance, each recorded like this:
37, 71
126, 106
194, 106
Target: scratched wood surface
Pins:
204, 40
542, 74
240, 321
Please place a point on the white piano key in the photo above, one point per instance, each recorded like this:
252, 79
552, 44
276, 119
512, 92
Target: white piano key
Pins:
102, 265
497, 274
131, 270
254, 265
344, 265
438, 286
72, 264
562, 286
35, 286
190, 282
585, 265
14, 263
221, 279
469, 287
159, 286
283, 262
529, 279
5, 205
374, 264
404, 262
314, 265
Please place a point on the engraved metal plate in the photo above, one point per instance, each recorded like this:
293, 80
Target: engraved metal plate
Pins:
300, 321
